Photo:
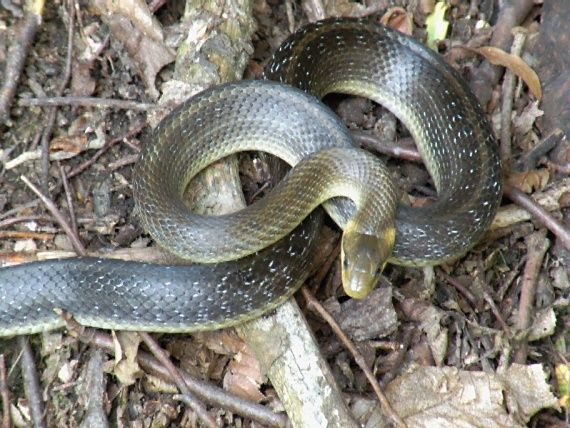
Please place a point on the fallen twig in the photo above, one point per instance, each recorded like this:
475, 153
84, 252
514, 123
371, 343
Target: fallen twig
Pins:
5, 394
190, 399
48, 127
131, 133
536, 244
539, 213
405, 148
69, 199
314, 304
509, 84
86, 102
73, 237
460, 287
204, 390
18, 52
31, 383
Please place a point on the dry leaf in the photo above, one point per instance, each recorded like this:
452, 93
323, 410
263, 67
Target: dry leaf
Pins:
224, 342
526, 390
529, 181
430, 319
524, 122
368, 318
75, 144
67, 372
426, 6
127, 369
543, 324
514, 63
448, 397
82, 83
399, 19
343, 8
243, 377
20, 415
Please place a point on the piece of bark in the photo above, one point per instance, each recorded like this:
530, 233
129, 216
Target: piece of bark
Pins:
553, 45
290, 357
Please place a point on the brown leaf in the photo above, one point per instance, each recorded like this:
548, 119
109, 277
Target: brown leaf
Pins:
448, 397
224, 342
75, 144
399, 19
364, 319
127, 368
243, 377
82, 83
528, 181
524, 122
426, 7
514, 63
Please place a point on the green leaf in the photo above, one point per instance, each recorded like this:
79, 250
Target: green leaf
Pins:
437, 25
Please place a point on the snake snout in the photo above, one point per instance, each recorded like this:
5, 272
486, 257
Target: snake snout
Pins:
363, 259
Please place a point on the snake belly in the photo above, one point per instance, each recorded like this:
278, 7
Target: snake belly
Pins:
340, 55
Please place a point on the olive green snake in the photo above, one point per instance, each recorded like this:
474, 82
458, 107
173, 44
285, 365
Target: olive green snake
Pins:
338, 55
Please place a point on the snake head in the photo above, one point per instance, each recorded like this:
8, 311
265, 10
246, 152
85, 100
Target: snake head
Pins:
363, 258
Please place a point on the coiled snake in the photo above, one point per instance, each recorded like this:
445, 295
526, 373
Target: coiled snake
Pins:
338, 55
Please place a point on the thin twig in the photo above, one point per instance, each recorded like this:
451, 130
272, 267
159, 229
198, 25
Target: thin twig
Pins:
131, 133
5, 394
190, 399
509, 84
26, 234
545, 218
403, 150
314, 304
69, 199
536, 244
510, 277
18, 52
87, 102
75, 241
31, 383
204, 390
460, 287
48, 127
495, 311
27, 218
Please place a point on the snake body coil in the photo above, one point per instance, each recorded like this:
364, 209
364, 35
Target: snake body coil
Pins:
347, 56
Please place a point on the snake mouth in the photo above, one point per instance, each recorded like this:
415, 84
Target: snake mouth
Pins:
363, 258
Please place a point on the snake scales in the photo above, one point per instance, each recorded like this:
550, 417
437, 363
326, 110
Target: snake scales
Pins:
339, 55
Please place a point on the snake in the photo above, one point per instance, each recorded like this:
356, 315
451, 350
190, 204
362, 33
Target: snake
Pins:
251, 261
